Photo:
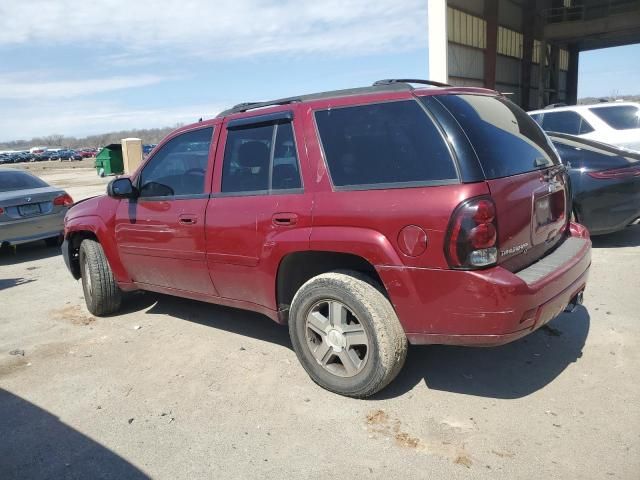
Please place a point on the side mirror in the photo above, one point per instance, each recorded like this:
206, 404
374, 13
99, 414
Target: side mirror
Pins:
121, 188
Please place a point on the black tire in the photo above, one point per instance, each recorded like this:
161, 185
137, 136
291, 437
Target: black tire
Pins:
101, 293
386, 347
53, 241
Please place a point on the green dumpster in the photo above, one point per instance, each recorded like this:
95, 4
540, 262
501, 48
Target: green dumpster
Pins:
109, 160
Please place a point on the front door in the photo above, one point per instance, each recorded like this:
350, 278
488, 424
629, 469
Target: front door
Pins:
160, 234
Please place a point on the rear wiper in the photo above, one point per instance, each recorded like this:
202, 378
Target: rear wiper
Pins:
555, 170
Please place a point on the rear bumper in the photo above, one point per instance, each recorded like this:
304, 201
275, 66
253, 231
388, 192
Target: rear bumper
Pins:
488, 307
32, 229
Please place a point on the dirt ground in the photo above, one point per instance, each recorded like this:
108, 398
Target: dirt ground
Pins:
172, 388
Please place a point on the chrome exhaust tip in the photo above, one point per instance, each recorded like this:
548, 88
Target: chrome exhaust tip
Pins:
574, 302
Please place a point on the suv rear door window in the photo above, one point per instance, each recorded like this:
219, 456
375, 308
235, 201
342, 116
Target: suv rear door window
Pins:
621, 117
382, 145
565, 122
506, 140
260, 159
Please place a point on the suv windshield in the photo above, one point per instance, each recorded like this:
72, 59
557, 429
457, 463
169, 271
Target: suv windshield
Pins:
621, 117
506, 140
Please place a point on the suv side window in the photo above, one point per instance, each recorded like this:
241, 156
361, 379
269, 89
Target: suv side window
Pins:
178, 167
261, 159
620, 117
383, 145
566, 122
537, 117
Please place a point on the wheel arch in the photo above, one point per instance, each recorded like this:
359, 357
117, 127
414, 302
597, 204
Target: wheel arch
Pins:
296, 268
93, 227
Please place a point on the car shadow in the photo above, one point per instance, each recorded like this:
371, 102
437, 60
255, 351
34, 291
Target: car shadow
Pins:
240, 322
27, 252
35, 444
629, 237
6, 283
510, 371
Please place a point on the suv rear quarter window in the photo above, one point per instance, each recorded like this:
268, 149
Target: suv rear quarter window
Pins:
566, 122
620, 117
506, 140
383, 145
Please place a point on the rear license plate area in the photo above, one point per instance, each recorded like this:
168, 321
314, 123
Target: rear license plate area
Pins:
550, 208
29, 210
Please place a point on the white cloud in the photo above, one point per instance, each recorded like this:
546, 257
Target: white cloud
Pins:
15, 88
80, 118
220, 29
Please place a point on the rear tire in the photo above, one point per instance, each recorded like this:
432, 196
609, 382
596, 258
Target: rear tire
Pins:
346, 334
101, 292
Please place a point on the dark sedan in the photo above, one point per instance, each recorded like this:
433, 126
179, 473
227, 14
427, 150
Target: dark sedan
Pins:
605, 181
30, 208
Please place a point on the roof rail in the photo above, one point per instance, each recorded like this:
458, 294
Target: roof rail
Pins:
243, 107
555, 105
382, 85
389, 81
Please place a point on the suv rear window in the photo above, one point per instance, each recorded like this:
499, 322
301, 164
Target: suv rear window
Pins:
621, 117
506, 140
384, 145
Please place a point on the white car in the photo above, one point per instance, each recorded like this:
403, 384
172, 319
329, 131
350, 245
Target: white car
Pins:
615, 123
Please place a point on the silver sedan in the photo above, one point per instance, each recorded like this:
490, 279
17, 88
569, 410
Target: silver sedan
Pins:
30, 209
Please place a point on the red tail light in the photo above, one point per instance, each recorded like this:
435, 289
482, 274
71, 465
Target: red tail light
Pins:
616, 173
472, 236
1, 211
64, 200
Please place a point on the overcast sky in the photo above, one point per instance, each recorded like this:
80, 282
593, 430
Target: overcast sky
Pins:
78, 67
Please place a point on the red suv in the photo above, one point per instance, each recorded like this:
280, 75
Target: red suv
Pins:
366, 219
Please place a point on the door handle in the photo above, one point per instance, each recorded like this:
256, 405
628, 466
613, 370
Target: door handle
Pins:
284, 219
187, 219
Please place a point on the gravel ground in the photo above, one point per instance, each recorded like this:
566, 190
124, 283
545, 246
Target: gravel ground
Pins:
173, 388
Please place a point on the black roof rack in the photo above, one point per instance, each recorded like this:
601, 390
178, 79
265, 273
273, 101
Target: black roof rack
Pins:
378, 86
555, 105
243, 107
390, 81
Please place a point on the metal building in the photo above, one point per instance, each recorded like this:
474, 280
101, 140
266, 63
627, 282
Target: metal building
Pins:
526, 48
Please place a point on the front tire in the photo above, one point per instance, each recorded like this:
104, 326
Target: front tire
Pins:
101, 292
346, 334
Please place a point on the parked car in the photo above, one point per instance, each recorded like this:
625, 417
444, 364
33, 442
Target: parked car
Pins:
30, 209
61, 155
146, 149
46, 155
366, 219
88, 152
605, 182
615, 123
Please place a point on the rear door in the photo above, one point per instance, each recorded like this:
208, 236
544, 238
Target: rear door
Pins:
523, 172
160, 234
260, 209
